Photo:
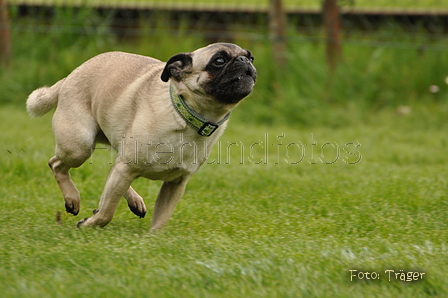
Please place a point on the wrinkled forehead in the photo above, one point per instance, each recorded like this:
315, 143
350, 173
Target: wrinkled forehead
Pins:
232, 48
203, 55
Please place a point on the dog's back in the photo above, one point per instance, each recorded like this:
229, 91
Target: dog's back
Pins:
105, 66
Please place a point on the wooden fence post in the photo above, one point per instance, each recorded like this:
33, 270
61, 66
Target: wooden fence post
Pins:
277, 30
333, 32
5, 41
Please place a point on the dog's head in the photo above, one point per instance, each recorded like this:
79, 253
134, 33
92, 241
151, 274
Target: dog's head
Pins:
223, 71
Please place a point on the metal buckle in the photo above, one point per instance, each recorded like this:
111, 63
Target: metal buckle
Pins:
207, 129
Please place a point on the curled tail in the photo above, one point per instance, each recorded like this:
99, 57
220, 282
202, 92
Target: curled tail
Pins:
42, 100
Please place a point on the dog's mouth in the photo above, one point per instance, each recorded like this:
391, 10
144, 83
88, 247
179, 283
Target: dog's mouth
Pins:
245, 77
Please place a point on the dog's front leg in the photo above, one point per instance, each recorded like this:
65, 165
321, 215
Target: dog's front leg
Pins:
118, 182
169, 195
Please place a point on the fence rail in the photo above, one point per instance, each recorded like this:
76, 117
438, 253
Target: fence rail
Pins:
247, 8
312, 16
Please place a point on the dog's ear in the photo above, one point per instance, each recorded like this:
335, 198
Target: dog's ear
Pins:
177, 65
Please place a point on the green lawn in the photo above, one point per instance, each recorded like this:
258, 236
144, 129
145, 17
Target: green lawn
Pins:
251, 225
378, 4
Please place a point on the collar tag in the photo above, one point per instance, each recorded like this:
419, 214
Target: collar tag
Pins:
207, 129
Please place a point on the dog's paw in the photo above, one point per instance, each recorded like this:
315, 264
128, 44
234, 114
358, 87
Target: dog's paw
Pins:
72, 208
82, 223
96, 220
89, 222
137, 209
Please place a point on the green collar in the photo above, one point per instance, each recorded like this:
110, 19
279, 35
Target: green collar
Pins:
204, 127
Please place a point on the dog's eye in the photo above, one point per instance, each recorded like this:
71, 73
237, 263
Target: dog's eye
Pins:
251, 58
220, 61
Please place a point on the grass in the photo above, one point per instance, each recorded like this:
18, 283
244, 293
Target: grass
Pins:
262, 222
273, 229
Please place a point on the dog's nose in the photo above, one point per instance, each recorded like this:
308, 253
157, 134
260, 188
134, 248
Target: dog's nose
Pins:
243, 59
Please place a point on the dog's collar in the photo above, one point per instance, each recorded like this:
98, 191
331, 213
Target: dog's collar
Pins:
204, 127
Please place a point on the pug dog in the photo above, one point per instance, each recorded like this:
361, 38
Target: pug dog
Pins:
161, 118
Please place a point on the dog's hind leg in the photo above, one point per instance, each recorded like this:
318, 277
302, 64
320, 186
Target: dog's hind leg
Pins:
135, 202
68, 188
60, 164
75, 134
